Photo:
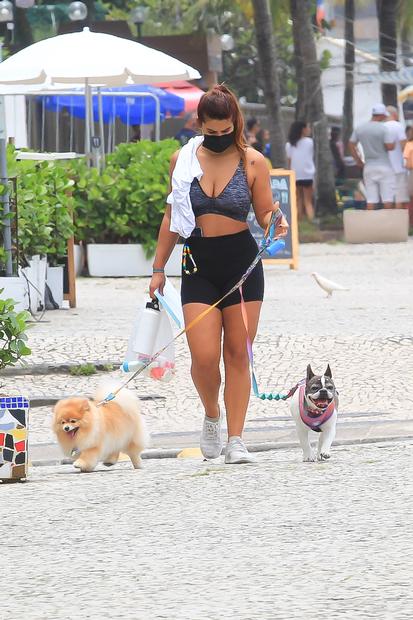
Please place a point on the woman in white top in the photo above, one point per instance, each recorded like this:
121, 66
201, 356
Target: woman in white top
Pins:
300, 154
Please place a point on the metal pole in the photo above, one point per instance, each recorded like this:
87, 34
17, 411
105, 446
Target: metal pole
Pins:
57, 125
5, 199
158, 119
87, 121
43, 123
101, 129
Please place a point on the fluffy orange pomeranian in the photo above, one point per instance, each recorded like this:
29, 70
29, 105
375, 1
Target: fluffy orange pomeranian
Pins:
101, 433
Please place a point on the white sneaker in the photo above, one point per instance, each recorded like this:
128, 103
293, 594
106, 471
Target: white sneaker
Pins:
211, 437
237, 453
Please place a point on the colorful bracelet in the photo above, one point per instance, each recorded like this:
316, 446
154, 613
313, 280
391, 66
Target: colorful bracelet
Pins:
158, 270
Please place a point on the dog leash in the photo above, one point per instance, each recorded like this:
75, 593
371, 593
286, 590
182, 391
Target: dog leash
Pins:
267, 242
261, 395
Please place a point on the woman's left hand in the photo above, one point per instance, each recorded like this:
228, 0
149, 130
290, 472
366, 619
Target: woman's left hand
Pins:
283, 226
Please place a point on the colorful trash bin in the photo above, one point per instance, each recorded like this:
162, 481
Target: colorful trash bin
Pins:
14, 423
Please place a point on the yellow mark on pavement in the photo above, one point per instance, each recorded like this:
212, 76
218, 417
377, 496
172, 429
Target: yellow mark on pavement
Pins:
190, 453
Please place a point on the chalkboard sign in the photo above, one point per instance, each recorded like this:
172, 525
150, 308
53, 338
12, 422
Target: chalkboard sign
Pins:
283, 190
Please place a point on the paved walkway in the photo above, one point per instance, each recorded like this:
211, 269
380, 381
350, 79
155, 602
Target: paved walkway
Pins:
365, 334
181, 540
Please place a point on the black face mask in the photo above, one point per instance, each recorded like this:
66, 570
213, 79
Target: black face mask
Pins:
218, 144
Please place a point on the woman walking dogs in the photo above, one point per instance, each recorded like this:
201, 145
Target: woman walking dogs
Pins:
215, 178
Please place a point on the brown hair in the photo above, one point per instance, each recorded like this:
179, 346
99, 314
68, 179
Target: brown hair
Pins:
220, 103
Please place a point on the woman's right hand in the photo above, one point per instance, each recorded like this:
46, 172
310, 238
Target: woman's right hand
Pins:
157, 282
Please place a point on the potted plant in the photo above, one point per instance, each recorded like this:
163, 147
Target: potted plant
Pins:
44, 223
118, 213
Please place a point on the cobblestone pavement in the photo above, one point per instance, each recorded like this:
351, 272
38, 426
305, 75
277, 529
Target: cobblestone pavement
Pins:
182, 540
365, 334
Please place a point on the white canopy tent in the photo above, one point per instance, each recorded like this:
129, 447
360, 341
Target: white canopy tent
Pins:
89, 59
92, 59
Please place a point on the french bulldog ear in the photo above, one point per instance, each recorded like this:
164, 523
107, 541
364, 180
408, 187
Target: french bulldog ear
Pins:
310, 373
328, 372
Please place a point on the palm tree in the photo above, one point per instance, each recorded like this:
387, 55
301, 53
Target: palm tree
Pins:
387, 13
298, 63
268, 61
349, 58
325, 182
406, 29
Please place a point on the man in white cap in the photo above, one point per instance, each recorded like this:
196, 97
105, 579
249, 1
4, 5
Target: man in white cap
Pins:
396, 157
376, 140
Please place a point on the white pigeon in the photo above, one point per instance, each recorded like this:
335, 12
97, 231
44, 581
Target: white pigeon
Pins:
328, 285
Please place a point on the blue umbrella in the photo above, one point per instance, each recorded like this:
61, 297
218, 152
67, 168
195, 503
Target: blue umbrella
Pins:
132, 110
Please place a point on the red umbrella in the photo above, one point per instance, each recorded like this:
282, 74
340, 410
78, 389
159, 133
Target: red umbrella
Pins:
188, 92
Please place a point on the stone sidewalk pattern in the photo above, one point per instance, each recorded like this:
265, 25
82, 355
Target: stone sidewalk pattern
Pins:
365, 334
183, 540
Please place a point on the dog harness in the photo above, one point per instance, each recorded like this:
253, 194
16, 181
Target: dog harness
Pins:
313, 418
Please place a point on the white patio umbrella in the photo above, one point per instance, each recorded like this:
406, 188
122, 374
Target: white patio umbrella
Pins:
92, 59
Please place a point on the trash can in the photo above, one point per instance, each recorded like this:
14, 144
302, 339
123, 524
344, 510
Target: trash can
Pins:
14, 422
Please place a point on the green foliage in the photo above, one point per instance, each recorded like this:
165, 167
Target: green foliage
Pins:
126, 203
44, 206
13, 338
83, 370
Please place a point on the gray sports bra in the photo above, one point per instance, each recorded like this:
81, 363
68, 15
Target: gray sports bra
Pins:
234, 201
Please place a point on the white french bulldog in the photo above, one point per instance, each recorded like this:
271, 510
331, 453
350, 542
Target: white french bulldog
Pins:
314, 407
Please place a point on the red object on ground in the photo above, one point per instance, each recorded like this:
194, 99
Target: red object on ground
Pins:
188, 92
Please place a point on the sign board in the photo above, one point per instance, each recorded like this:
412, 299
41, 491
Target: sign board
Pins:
283, 190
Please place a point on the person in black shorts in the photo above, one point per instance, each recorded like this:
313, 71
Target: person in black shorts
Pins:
218, 176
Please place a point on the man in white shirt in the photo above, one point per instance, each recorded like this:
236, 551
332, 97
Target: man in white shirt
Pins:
378, 175
396, 157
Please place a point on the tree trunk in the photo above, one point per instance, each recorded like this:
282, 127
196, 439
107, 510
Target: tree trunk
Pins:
23, 35
349, 58
298, 63
387, 12
325, 180
268, 61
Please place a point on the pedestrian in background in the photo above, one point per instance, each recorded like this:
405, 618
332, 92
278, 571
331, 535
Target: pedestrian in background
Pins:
300, 155
408, 162
337, 151
376, 140
189, 130
253, 127
398, 135
263, 139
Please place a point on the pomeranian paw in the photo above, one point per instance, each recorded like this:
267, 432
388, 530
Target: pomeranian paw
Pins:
79, 464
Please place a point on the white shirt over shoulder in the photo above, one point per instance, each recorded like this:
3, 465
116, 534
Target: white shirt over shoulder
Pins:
302, 158
187, 168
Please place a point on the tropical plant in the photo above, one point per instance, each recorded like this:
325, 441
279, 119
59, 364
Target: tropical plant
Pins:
126, 203
13, 337
349, 58
387, 13
268, 61
314, 110
44, 207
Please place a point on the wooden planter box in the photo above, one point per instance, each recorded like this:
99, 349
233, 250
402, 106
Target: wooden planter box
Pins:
122, 260
382, 226
14, 422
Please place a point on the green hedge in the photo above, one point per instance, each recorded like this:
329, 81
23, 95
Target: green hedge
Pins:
44, 207
126, 203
